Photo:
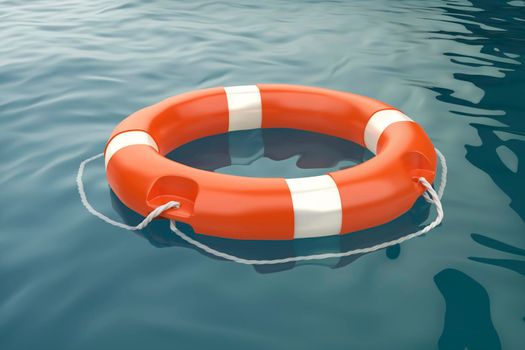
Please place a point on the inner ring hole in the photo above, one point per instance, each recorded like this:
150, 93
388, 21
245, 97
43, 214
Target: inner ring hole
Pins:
287, 153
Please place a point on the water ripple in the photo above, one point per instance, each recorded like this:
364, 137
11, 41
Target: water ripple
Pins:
71, 70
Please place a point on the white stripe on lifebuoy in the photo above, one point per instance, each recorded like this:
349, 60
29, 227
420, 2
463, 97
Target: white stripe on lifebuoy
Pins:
378, 123
316, 205
126, 139
244, 105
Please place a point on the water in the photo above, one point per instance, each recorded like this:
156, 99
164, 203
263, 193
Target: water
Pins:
71, 70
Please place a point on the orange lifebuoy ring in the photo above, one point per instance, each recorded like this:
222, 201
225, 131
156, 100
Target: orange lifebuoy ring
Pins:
369, 194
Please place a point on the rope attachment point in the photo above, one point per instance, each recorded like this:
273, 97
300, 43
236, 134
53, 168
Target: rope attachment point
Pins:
83, 198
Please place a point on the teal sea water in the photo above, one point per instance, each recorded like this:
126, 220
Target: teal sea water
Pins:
71, 70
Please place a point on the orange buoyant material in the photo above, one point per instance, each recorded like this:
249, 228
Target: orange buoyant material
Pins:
369, 194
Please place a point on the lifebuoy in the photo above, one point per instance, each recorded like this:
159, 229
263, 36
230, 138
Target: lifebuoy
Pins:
367, 195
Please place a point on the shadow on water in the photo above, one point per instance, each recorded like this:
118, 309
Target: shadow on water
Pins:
494, 27
272, 152
510, 264
468, 323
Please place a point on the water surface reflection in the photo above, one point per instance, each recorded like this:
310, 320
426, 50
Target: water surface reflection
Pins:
468, 323
499, 74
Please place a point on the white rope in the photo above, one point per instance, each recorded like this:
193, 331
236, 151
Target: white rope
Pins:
430, 195
443, 179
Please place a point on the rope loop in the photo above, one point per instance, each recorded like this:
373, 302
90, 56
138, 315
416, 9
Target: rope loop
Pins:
432, 196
